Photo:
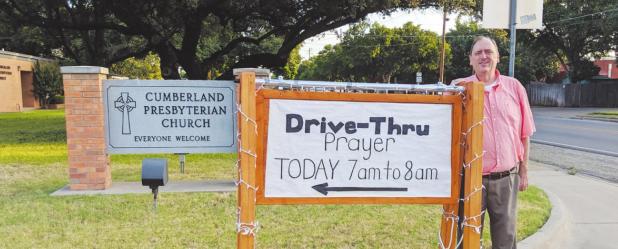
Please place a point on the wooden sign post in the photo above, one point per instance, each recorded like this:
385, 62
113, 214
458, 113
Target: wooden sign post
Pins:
246, 224
473, 163
472, 146
302, 147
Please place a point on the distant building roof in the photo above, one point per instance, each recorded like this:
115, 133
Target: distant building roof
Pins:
18, 56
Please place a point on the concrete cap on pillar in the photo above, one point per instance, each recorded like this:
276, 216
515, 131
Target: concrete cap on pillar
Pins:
260, 73
84, 70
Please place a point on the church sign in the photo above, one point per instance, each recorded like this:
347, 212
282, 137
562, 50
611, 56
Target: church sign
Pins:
172, 116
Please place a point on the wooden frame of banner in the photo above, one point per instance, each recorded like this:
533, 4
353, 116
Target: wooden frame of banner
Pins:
472, 176
262, 103
471, 116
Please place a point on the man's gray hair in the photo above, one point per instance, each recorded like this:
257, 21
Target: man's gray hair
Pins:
481, 37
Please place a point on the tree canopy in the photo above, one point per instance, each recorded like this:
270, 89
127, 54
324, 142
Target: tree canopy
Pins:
379, 54
578, 30
374, 53
207, 38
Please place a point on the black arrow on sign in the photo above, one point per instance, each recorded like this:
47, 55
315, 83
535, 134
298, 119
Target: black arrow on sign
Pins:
323, 188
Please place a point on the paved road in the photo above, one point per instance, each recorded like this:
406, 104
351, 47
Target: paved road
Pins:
555, 125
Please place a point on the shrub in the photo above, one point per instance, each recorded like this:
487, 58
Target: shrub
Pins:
147, 67
47, 82
58, 99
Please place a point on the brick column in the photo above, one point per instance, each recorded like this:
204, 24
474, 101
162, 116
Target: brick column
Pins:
89, 167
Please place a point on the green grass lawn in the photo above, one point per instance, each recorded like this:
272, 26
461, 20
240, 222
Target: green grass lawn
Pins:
33, 164
606, 114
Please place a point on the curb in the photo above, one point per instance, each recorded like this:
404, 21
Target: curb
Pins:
596, 118
553, 232
572, 147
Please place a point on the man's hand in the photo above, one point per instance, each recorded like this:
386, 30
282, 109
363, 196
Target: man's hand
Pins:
523, 176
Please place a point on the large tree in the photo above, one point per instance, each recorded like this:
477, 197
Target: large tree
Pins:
204, 37
378, 54
577, 31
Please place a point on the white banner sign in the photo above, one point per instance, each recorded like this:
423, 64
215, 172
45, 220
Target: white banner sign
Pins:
171, 116
358, 149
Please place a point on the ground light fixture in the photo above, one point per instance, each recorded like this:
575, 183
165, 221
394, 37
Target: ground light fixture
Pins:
154, 175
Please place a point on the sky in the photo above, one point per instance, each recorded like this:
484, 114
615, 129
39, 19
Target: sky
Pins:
429, 19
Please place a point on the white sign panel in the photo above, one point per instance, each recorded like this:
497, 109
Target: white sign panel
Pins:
358, 149
171, 116
529, 14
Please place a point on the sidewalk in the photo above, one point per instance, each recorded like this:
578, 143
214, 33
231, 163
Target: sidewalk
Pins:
588, 217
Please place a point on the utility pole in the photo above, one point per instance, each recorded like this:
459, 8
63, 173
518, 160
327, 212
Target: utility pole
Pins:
513, 31
443, 52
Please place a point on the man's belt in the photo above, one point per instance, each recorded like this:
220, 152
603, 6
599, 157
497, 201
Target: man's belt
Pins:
499, 175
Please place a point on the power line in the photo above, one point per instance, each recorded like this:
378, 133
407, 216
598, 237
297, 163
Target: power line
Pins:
584, 22
579, 22
582, 16
411, 36
416, 36
397, 44
547, 12
406, 44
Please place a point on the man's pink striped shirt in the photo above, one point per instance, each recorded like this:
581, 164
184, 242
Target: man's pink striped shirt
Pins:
508, 120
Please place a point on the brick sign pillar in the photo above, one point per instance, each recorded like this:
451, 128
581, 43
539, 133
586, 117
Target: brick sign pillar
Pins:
89, 167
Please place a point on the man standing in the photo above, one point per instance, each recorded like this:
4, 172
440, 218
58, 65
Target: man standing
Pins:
507, 127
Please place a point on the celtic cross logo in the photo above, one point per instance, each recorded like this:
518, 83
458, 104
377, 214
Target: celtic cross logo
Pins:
125, 104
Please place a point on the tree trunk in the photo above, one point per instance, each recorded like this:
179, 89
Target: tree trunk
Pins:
187, 54
169, 61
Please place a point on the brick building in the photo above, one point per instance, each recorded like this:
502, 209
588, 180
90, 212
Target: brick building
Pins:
608, 67
16, 81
